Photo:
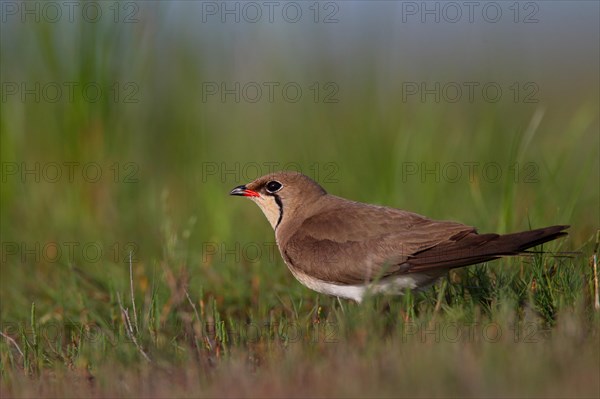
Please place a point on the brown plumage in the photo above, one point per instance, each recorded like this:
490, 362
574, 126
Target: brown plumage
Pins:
346, 248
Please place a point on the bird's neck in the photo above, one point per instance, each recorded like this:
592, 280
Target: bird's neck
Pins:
294, 218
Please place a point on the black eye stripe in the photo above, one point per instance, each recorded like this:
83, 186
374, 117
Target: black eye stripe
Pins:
273, 186
280, 204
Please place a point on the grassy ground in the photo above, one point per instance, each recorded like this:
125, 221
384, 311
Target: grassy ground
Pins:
132, 273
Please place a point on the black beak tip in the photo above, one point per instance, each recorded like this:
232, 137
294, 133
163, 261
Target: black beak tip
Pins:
239, 190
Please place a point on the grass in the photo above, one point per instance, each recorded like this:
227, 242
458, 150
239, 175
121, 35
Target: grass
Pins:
151, 282
522, 327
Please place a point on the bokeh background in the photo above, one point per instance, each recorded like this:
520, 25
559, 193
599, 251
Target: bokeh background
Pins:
161, 99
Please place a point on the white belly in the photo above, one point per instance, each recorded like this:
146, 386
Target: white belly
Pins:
393, 286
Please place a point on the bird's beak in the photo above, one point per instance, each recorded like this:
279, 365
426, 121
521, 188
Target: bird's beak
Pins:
244, 192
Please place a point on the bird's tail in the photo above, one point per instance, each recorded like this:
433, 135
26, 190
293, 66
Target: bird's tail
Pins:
471, 248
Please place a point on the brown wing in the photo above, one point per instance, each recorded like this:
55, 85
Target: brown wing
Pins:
353, 243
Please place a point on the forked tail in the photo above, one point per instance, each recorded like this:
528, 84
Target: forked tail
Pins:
471, 248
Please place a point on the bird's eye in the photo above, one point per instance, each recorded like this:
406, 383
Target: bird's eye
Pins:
273, 186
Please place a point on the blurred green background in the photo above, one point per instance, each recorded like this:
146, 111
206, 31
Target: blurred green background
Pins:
169, 140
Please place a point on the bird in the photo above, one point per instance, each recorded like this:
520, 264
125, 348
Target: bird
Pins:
350, 249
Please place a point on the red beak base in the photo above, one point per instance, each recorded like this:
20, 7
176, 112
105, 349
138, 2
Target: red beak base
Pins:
244, 192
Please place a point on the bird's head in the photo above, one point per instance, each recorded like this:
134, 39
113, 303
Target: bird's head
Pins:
281, 195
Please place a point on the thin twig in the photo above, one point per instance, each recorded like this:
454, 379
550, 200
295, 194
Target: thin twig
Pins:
129, 328
132, 296
199, 322
341, 305
12, 341
438, 304
193, 306
595, 266
530, 131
